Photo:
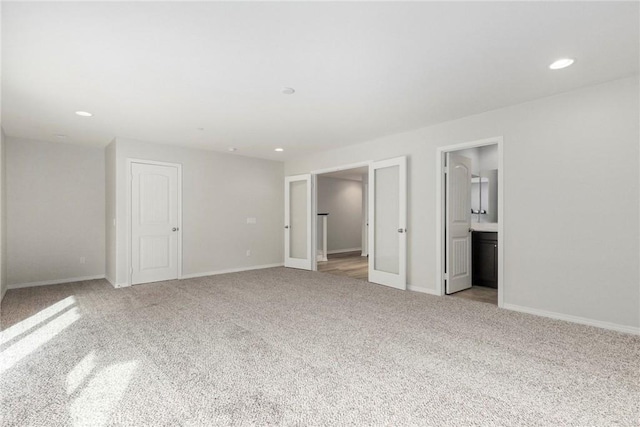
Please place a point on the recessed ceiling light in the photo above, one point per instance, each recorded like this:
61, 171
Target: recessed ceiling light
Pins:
232, 149
279, 150
288, 90
84, 113
59, 135
561, 63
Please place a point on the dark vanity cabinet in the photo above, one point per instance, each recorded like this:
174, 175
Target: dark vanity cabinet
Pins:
485, 259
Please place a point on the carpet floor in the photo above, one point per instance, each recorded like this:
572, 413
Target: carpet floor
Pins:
288, 347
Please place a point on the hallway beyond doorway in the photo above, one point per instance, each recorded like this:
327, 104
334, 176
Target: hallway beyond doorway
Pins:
350, 264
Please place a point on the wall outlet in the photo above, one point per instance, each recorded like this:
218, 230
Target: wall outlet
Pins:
251, 221
83, 260
248, 252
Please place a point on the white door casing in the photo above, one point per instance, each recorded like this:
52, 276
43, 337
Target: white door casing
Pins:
388, 222
155, 222
458, 223
297, 222
365, 218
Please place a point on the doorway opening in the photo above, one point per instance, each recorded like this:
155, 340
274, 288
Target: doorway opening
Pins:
470, 221
386, 221
341, 223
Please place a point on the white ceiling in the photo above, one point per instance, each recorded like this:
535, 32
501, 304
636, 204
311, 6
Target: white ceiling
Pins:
158, 71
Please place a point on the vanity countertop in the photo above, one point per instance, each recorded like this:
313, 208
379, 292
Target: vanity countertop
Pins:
484, 226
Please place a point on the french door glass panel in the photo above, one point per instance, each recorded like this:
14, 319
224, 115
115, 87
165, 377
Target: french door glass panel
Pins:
298, 219
387, 254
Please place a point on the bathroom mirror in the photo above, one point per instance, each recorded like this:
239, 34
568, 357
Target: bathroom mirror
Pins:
484, 196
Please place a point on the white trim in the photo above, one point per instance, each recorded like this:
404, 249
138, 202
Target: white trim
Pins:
365, 217
342, 168
440, 190
129, 178
342, 251
114, 284
314, 199
314, 225
231, 270
55, 282
325, 251
574, 319
422, 290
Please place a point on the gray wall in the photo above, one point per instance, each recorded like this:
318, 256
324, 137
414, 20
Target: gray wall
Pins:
342, 199
220, 191
55, 211
577, 156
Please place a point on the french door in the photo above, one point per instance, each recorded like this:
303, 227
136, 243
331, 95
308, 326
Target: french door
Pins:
388, 222
297, 222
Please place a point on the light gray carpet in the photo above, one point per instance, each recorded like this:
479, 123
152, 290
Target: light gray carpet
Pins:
287, 347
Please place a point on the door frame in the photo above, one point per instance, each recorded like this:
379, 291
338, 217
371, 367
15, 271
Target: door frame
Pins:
440, 210
314, 203
129, 203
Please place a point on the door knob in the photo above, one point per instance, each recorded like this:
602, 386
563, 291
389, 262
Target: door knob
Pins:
401, 230
175, 229
286, 226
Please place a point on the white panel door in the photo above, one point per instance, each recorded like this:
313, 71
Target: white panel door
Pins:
388, 222
297, 222
154, 223
457, 231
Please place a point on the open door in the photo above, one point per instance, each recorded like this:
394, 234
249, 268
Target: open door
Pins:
458, 223
388, 222
297, 222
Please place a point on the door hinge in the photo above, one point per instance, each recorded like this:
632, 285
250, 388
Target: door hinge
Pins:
446, 169
446, 276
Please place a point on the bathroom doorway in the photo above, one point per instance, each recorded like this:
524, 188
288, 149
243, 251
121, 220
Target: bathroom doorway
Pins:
470, 231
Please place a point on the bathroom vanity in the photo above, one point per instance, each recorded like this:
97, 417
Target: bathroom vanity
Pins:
484, 259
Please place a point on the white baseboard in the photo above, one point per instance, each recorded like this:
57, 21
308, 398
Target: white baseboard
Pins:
341, 251
574, 319
55, 282
114, 284
231, 270
421, 289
